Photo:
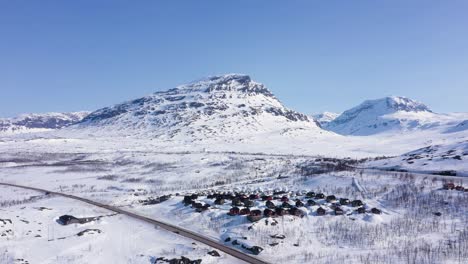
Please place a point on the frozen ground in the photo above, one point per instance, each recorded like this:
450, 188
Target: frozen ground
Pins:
29, 233
407, 231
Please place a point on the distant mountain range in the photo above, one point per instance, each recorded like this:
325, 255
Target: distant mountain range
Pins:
40, 122
235, 105
232, 111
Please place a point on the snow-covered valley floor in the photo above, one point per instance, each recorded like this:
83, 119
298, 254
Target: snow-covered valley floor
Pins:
420, 222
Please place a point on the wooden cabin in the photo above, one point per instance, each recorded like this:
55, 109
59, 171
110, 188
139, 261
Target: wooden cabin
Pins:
281, 211
219, 201
344, 201
244, 211
68, 219
236, 202
248, 203
187, 199
338, 211
255, 212
321, 211
201, 209
361, 210
270, 205
331, 198
254, 197
299, 203
449, 186
234, 211
320, 196
296, 212
254, 215
268, 213
197, 205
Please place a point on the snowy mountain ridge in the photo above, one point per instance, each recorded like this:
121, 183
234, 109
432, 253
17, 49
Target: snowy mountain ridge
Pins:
325, 117
229, 104
35, 122
391, 114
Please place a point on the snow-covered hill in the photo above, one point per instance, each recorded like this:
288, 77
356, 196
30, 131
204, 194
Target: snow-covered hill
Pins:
39, 122
392, 115
227, 105
447, 158
324, 118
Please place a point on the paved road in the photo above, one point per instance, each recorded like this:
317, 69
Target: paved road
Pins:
175, 229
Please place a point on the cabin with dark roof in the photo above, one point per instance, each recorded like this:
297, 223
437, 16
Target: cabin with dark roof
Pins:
284, 199
286, 205
281, 211
253, 197
344, 201
361, 210
197, 205
68, 219
219, 201
375, 211
356, 203
299, 203
310, 195
248, 203
236, 202
296, 212
234, 211
254, 215
449, 186
320, 196
202, 209
321, 211
187, 199
244, 211
338, 211
268, 213
311, 202
331, 198
270, 205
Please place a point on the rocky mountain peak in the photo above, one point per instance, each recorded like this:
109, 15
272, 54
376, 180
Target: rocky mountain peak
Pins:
217, 105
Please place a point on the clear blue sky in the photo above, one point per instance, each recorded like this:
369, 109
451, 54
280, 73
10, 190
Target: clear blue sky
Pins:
314, 55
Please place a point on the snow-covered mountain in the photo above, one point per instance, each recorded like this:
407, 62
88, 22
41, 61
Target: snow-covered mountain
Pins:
231, 105
392, 115
39, 122
324, 118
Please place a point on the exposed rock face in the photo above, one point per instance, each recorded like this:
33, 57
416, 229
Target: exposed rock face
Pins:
219, 105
